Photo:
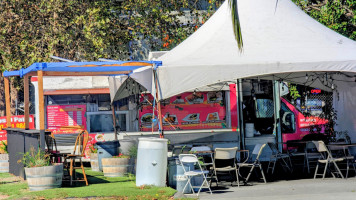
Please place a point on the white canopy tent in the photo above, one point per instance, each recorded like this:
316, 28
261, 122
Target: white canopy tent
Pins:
281, 42
277, 40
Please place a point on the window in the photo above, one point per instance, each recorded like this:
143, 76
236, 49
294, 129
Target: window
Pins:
264, 108
287, 119
102, 121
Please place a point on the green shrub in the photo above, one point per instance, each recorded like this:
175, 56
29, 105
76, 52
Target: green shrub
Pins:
35, 158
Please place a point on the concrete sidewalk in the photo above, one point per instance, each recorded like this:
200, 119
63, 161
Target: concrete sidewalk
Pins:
303, 189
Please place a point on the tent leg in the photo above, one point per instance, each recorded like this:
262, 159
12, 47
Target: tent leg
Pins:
161, 135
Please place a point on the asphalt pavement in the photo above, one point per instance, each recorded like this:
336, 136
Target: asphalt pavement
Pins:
303, 189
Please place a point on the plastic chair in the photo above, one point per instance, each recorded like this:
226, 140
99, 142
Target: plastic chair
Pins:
276, 156
78, 153
257, 151
327, 159
186, 160
225, 162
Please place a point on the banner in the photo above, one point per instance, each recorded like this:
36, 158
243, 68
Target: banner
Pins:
200, 110
17, 121
66, 115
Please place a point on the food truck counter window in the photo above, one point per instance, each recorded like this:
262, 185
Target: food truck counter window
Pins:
103, 122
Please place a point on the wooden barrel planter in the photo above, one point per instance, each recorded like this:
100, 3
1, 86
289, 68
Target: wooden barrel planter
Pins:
117, 167
94, 162
42, 178
4, 163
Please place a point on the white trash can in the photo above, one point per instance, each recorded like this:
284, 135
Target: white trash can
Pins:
151, 162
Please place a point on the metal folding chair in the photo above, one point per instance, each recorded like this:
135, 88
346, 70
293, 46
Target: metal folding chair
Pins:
276, 156
186, 160
225, 162
256, 163
327, 159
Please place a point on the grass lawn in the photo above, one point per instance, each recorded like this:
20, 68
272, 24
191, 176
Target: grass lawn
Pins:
99, 186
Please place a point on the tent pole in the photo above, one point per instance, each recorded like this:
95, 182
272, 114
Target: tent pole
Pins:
161, 134
27, 102
114, 119
7, 102
240, 111
277, 109
41, 108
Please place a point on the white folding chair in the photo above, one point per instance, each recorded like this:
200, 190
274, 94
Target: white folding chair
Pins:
225, 162
186, 160
327, 159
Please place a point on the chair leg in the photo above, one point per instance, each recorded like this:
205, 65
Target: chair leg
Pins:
342, 176
249, 174
185, 185
84, 175
274, 164
263, 174
308, 165
326, 167
191, 187
206, 181
237, 179
216, 177
316, 170
71, 172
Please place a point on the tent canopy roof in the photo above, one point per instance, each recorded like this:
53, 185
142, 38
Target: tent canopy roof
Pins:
84, 68
279, 39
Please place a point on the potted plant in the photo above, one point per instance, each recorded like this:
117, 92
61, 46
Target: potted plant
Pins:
117, 166
94, 158
40, 173
4, 157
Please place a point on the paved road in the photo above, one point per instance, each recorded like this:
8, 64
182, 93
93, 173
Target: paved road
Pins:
304, 189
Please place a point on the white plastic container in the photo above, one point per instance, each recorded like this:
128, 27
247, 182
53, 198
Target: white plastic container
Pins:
151, 162
249, 129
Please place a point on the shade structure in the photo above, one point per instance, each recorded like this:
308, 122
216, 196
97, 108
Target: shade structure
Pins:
66, 69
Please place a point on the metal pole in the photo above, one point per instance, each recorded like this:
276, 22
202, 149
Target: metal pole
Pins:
161, 134
277, 108
114, 119
241, 115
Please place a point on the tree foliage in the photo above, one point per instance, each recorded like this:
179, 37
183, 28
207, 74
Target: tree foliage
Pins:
339, 15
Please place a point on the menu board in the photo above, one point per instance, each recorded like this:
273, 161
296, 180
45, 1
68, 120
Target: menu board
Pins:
200, 110
17, 121
66, 115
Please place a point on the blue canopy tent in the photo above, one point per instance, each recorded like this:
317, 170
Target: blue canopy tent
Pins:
65, 69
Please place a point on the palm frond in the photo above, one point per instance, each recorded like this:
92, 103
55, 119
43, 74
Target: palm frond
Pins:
236, 23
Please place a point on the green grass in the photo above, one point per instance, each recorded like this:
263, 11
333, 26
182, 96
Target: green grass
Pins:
4, 175
99, 186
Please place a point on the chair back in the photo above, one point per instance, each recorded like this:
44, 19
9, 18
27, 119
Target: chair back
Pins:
320, 146
188, 158
81, 143
225, 153
258, 150
273, 148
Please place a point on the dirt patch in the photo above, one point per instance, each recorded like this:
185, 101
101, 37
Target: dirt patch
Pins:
3, 196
